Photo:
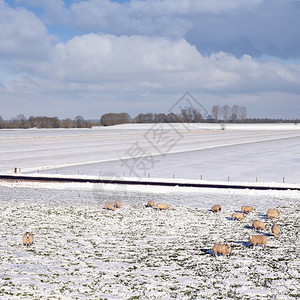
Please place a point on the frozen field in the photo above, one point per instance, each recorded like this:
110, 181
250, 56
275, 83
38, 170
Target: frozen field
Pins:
243, 152
82, 251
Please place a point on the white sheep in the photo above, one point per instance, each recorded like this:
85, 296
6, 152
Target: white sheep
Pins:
216, 208
247, 209
162, 206
221, 249
238, 216
275, 230
272, 213
27, 239
258, 239
258, 225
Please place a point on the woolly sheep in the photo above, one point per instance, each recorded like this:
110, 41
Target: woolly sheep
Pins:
221, 249
27, 239
272, 213
258, 239
118, 204
238, 216
216, 208
275, 230
162, 206
109, 206
258, 225
247, 209
150, 203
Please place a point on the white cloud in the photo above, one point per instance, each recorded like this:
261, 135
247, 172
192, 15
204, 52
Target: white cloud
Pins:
140, 62
254, 27
156, 62
22, 34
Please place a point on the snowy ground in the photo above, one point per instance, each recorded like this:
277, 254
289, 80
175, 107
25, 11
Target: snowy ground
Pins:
243, 152
84, 251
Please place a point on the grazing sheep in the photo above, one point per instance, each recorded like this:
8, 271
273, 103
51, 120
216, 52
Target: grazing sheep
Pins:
150, 203
27, 239
247, 209
272, 213
275, 230
109, 206
162, 206
118, 204
238, 216
222, 249
258, 239
258, 225
216, 208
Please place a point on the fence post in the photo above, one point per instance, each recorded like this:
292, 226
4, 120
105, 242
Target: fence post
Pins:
228, 178
16, 170
256, 179
283, 180
173, 176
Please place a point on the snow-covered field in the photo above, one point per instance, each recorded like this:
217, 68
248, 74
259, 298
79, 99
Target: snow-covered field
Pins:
242, 152
83, 251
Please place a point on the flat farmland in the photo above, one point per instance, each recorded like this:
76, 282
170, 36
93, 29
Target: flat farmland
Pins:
84, 251
245, 153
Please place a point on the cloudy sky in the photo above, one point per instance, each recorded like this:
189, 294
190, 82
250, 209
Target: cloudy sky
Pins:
68, 58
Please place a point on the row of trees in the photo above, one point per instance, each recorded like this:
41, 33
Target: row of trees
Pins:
219, 114
227, 113
46, 122
191, 115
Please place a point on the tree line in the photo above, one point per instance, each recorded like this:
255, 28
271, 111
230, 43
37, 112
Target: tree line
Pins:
46, 122
219, 114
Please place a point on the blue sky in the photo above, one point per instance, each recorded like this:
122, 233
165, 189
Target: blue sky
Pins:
68, 58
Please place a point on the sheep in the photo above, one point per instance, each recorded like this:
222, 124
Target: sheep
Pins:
238, 216
258, 239
258, 225
109, 206
216, 208
162, 206
272, 213
27, 239
275, 230
222, 249
150, 203
247, 209
118, 204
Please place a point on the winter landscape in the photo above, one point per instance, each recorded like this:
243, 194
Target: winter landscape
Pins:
82, 250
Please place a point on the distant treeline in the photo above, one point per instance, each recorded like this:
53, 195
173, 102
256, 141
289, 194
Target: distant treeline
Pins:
46, 122
219, 114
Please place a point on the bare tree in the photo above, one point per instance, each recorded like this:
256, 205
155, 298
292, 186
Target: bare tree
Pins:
242, 113
234, 113
21, 120
216, 109
225, 111
186, 115
67, 123
79, 121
